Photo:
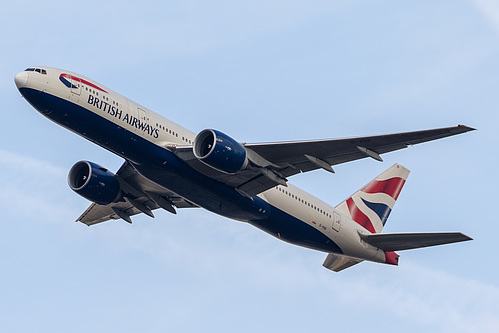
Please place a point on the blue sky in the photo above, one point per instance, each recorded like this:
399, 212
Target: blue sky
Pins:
259, 71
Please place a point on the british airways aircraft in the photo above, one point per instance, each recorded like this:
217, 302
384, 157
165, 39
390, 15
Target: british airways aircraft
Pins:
166, 166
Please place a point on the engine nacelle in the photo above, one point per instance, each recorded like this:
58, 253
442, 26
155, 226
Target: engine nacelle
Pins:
220, 151
94, 182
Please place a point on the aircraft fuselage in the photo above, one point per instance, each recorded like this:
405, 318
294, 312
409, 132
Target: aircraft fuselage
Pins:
145, 139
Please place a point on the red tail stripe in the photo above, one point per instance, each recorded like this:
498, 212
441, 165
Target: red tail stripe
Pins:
359, 217
391, 186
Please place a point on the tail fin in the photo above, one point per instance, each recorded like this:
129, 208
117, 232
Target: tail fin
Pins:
371, 205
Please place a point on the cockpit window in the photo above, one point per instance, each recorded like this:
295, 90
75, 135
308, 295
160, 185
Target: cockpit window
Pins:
39, 70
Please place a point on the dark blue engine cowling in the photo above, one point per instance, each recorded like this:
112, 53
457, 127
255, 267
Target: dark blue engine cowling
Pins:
94, 182
220, 151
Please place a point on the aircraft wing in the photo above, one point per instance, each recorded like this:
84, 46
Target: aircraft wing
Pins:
140, 196
408, 241
337, 151
271, 163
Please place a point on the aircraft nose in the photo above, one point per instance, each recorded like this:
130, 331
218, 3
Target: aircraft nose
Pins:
21, 79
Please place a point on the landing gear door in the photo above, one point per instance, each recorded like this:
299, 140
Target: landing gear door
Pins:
336, 221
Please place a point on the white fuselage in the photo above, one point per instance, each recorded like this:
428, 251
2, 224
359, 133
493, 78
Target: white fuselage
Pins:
289, 202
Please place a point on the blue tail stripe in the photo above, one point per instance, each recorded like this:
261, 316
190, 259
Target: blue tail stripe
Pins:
382, 210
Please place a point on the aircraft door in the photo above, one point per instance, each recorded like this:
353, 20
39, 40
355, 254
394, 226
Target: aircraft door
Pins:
142, 125
75, 85
336, 221
143, 116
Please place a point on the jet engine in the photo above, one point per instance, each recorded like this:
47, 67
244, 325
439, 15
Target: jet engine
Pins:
94, 182
220, 151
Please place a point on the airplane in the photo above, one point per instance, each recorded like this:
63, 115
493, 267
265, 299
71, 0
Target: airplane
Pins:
167, 166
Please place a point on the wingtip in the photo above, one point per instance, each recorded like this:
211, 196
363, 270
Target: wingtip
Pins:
466, 128
466, 238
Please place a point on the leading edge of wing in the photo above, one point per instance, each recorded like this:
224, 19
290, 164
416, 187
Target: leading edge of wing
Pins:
453, 130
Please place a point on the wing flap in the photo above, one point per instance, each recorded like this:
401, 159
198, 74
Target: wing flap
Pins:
407, 241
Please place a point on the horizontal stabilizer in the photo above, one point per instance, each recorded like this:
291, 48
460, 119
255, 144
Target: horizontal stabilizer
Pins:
336, 262
407, 241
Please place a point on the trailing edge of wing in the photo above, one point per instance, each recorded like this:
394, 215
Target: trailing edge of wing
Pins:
407, 241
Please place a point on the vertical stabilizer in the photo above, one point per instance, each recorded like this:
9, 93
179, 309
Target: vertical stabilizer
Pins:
371, 205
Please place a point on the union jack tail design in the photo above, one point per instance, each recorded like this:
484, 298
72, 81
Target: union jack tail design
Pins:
371, 205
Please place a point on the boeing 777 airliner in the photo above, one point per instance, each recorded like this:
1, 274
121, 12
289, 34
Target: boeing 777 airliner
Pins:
166, 166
